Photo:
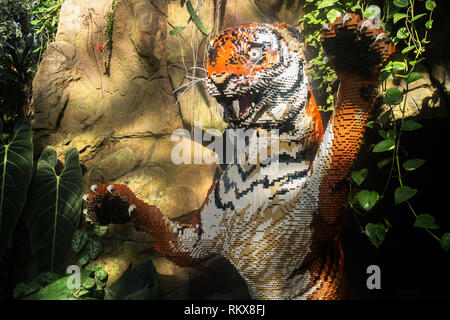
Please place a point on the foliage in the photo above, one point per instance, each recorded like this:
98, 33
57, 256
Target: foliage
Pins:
55, 206
16, 163
407, 23
140, 283
109, 25
25, 28
192, 17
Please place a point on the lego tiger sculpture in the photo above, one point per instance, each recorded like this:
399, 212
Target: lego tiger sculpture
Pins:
277, 222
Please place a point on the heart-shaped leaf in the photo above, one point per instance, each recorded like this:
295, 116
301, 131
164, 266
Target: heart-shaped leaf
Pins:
430, 5
413, 164
414, 76
94, 249
402, 33
425, 221
79, 240
445, 241
376, 233
393, 96
399, 16
359, 176
410, 125
16, 164
55, 209
403, 193
384, 145
372, 12
367, 199
384, 162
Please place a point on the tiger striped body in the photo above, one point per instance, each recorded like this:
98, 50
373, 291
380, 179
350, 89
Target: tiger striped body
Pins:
276, 221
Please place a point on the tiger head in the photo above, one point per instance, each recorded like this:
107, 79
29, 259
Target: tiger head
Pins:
257, 74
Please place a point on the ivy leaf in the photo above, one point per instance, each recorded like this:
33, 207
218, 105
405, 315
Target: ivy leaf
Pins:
399, 16
402, 33
79, 240
430, 5
393, 96
384, 162
445, 241
333, 14
403, 193
414, 76
384, 145
195, 18
367, 199
94, 248
372, 12
401, 3
418, 17
408, 49
359, 176
376, 233
425, 221
413, 164
176, 30
429, 24
399, 65
326, 3
410, 125
100, 231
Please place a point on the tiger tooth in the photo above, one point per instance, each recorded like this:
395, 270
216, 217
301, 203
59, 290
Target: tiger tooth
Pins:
236, 107
86, 197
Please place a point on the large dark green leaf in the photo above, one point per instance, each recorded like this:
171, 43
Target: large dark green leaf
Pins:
403, 193
376, 232
425, 221
16, 164
59, 289
55, 209
140, 283
367, 199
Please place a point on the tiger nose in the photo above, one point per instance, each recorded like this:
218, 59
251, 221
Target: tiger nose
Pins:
219, 78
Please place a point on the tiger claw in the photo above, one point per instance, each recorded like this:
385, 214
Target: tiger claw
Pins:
364, 25
94, 188
110, 189
379, 37
132, 212
345, 18
86, 197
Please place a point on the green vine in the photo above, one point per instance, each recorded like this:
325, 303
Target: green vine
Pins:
407, 23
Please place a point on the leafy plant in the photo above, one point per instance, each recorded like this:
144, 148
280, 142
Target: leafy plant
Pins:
192, 17
16, 163
407, 23
55, 209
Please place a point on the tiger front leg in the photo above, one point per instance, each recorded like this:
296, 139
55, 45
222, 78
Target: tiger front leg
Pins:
179, 241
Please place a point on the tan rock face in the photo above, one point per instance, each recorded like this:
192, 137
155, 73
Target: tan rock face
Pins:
117, 106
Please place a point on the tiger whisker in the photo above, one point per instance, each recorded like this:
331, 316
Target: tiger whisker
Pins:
187, 84
188, 87
203, 69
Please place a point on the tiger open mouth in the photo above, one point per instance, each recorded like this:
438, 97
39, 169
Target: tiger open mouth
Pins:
238, 107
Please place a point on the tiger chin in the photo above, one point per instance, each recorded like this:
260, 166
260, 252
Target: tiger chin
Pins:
279, 227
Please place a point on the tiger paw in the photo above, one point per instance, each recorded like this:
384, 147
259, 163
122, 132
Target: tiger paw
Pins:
356, 45
110, 203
